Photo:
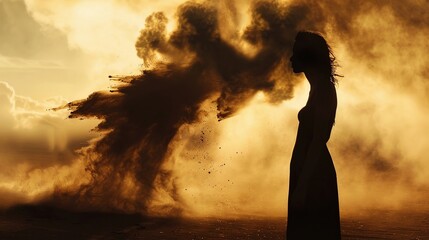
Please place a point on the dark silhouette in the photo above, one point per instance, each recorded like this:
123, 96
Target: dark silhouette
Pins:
313, 210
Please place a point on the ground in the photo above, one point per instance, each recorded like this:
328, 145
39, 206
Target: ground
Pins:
28, 222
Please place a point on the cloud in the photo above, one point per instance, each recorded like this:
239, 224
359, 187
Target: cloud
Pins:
19, 28
35, 143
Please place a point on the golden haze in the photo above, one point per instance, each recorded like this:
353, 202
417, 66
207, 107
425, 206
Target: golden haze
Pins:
240, 164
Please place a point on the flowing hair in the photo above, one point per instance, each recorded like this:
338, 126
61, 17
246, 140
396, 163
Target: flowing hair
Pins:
317, 51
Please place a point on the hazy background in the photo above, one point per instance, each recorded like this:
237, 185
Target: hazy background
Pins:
52, 52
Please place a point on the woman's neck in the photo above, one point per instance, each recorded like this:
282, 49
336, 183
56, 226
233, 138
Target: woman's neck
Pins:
316, 79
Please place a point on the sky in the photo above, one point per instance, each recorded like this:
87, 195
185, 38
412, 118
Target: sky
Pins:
56, 52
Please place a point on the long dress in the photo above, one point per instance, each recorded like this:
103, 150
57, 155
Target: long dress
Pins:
319, 218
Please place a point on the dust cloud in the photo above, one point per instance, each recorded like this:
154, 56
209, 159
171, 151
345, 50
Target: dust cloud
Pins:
142, 115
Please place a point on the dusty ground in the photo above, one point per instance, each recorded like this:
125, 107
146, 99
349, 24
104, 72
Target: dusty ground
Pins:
47, 223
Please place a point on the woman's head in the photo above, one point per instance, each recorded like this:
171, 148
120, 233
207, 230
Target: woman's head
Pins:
311, 52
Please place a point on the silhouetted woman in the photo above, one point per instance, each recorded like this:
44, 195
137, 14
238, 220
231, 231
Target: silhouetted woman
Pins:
313, 211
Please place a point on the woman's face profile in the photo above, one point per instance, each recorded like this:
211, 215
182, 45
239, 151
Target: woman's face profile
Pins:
297, 60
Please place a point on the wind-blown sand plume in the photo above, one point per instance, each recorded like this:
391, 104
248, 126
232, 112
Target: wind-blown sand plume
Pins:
140, 118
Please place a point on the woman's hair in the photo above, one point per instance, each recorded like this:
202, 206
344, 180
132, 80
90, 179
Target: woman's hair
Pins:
315, 50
